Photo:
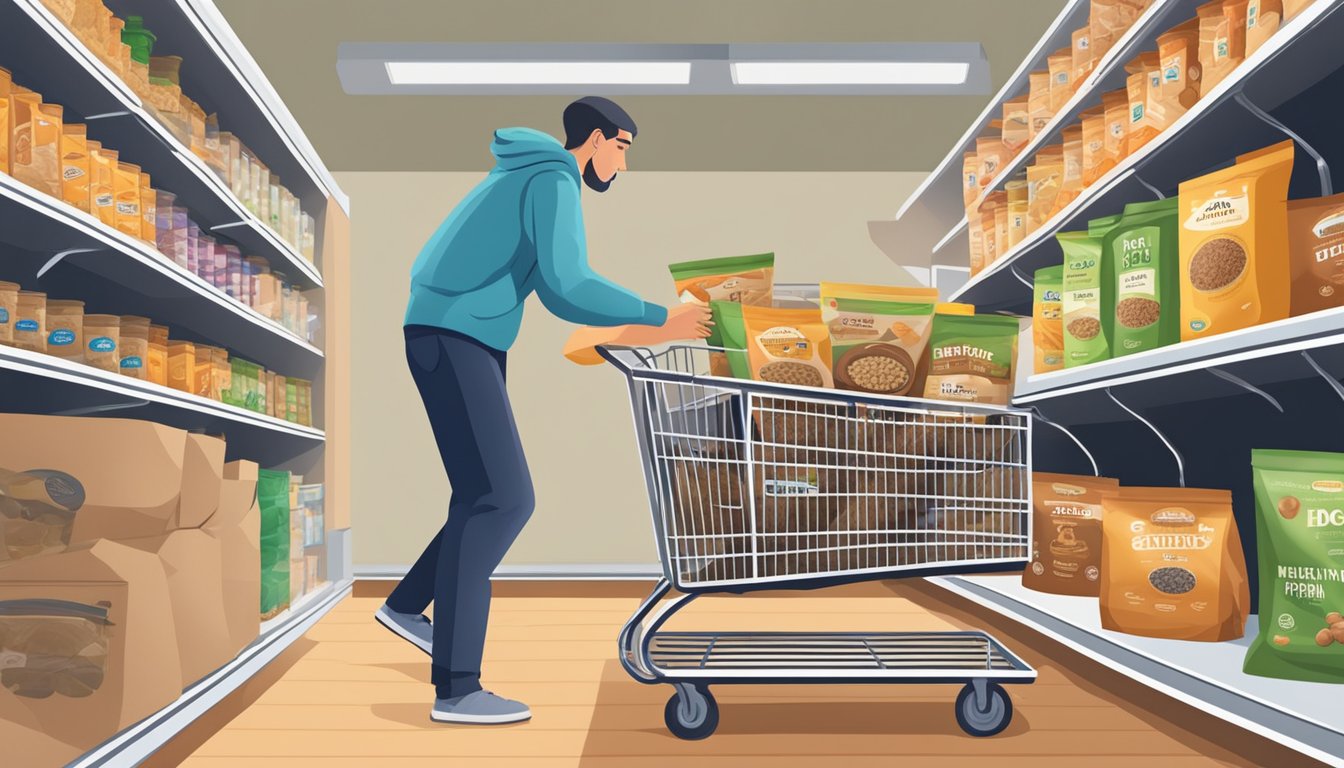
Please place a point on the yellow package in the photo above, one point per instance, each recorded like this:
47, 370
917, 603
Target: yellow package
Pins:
126, 193
977, 243
1263, 18
788, 346
1234, 240
1038, 102
75, 166
739, 279
102, 192
1047, 319
6, 85
36, 156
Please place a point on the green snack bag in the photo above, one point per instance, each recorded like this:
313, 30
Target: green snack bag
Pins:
273, 499
1144, 253
1047, 319
1086, 299
972, 358
739, 279
732, 331
1299, 526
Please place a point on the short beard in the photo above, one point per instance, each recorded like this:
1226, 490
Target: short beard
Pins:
594, 181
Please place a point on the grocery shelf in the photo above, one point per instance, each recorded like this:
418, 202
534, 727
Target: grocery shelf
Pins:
1212, 133
101, 260
135, 744
47, 57
1302, 716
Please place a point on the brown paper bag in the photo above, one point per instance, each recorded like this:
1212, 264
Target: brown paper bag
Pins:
236, 525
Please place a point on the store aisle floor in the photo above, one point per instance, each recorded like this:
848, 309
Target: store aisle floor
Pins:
351, 694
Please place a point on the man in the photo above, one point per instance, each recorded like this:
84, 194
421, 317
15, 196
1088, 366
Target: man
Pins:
520, 230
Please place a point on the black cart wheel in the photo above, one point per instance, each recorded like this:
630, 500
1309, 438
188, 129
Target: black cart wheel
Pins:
691, 713
993, 717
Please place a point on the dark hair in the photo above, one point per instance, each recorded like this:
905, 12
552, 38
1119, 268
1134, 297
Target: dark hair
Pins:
593, 113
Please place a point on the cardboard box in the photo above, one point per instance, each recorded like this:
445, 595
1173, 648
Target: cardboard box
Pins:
236, 525
192, 563
130, 473
103, 611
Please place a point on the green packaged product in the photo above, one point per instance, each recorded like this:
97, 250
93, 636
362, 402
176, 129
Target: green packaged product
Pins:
732, 336
739, 279
1047, 319
1143, 250
273, 498
1299, 525
972, 358
1087, 299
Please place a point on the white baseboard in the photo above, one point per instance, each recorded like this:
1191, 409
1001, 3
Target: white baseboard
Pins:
559, 572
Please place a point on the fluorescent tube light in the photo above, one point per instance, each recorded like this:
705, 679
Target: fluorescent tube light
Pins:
539, 72
850, 72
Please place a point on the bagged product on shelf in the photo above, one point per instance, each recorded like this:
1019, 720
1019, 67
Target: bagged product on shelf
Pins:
1172, 565
1066, 533
972, 358
1083, 59
1106, 24
193, 248
1044, 180
740, 279
112, 52
305, 403
65, 329
877, 336
6, 87
990, 153
1047, 319
1016, 129
1263, 18
126, 193
970, 178
91, 648
1144, 90
273, 496
788, 346
30, 321
1071, 185
1018, 206
1038, 102
999, 201
9, 310
1293, 7
35, 157
102, 339
158, 355
989, 235
102, 181
1094, 144
1086, 299
1144, 252
221, 374
181, 365
1222, 40
1234, 233
1181, 69
298, 587
75, 165
203, 372
976, 240
134, 353
1116, 106
1298, 523
1061, 79
149, 210
237, 526
1316, 253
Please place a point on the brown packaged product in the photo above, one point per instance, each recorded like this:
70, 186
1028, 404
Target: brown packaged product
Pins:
1316, 253
1038, 102
111, 54
102, 183
1106, 24
1144, 90
1094, 144
221, 374
970, 178
788, 346
1044, 180
989, 234
92, 648
1061, 79
1016, 130
738, 279
977, 242
236, 525
181, 365
1083, 59
102, 342
1116, 104
1072, 184
126, 193
134, 353
148, 210
6, 86
1293, 7
1263, 19
35, 157
1066, 533
61, 9
1017, 222
30, 321
158, 355
1181, 69
75, 165
65, 330
9, 310
990, 154
1222, 40
1173, 565
1001, 225
203, 372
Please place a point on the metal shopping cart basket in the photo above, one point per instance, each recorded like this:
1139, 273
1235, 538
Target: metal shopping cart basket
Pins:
756, 485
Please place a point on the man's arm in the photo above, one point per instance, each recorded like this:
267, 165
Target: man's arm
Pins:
569, 288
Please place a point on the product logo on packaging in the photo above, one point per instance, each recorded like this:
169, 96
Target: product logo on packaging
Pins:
1328, 486
4, 315
102, 344
962, 350
1325, 518
132, 362
1067, 490
1051, 295
26, 325
1220, 212
1173, 516
72, 172
61, 338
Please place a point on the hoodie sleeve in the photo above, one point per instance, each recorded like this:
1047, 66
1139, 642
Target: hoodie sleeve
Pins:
570, 288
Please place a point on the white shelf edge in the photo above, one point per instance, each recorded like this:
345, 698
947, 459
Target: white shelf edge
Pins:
1286, 35
137, 743
1072, 636
952, 234
140, 252
46, 366
133, 105
1032, 59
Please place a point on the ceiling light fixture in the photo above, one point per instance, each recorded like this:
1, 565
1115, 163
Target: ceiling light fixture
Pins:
539, 72
850, 72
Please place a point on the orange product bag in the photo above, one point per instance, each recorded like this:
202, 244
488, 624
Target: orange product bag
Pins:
1016, 128
102, 193
1293, 7
75, 165
989, 151
970, 178
6, 86
1000, 202
788, 346
1145, 110
1094, 144
126, 194
989, 232
1082, 57
1263, 19
36, 142
1017, 211
975, 237
1222, 41
149, 206
1071, 184
1039, 112
1233, 244
1061, 79
1106, 22
1044, 180
1116, 104
1173, 565
1066, 532
1181, 70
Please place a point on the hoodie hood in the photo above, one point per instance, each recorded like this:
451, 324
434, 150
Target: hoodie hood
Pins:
519, 148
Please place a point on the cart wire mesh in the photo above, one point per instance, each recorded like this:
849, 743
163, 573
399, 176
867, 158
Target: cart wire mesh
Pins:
753, 483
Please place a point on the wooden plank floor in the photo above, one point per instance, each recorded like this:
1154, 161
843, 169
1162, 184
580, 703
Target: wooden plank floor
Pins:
352, 694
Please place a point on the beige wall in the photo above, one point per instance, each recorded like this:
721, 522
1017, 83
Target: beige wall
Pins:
576, 425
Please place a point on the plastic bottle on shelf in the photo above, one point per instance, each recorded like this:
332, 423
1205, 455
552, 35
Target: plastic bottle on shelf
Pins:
140, 40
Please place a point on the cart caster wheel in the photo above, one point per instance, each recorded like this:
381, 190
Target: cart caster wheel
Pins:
992, 719
691, 713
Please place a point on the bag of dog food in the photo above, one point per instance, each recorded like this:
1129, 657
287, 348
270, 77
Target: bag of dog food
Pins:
1143, 251
1066, 533
878, 335
1172, 565
1047, 319
1299, 528
1316, 253
742, 279
972, 358
788, 346
1234, 229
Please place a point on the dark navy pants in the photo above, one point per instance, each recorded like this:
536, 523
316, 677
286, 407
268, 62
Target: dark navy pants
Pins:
461, 383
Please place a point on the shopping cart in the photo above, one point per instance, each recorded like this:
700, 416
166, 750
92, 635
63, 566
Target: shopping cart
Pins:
756, 485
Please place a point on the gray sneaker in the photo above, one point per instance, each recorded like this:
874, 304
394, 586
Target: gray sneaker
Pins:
414, 628
480, 708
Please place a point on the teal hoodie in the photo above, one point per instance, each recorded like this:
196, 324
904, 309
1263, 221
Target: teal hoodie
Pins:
520, 230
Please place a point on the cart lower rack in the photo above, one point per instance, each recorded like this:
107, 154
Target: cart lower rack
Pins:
764, 486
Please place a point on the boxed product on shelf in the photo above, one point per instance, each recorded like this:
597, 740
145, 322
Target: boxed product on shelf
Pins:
273, 496
236, 525
9, 309
311, 498
30, 321
75, 166
1222, 40
91, 648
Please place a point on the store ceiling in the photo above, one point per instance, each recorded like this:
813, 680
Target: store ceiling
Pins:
295, 42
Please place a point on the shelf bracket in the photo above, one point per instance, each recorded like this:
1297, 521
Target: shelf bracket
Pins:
92, 409
1156, 192
1091, 460
1246, 385
1322, 168
54, 260
106, 116
1021, 278
1180, 463
230, 225
1331, 380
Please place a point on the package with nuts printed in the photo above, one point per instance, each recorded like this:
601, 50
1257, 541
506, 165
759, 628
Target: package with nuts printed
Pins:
878, 335
1299, 526
1066, 533
1047, 319
788, 346
1172, 565
1234, 236
1316, 253
1142, 249
742, 279
1087, 299
972, 358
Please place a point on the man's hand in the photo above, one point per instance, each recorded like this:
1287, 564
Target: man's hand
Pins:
687, 321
